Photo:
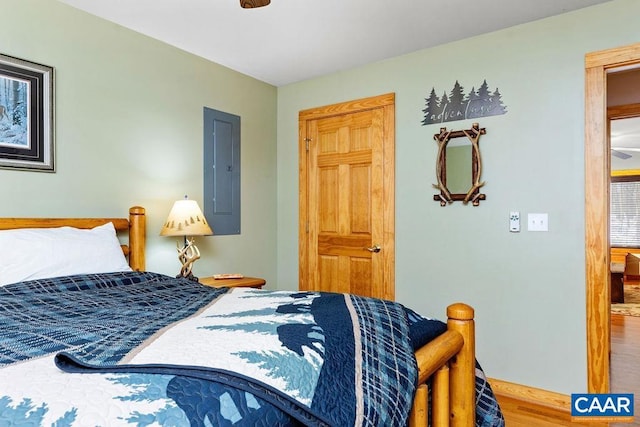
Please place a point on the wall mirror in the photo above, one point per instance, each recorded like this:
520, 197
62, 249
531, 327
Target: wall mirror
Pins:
459, 166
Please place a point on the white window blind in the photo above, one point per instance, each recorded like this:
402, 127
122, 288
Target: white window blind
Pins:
625, 214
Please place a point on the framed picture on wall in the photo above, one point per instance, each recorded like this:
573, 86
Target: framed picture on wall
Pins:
26, 115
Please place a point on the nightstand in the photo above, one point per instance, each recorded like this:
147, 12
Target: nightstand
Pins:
245, 282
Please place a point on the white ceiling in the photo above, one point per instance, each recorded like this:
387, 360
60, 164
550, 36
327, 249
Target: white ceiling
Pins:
625, 134
625, 138
294, 40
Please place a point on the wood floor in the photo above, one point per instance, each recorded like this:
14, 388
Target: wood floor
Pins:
625, 359
625, 378
518, 414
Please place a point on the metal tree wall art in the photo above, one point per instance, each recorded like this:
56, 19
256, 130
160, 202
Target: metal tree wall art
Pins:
458, 106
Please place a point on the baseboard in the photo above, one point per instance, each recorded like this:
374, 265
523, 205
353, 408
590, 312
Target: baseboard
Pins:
549, 399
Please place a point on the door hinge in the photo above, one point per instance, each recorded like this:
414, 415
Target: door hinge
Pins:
306, 142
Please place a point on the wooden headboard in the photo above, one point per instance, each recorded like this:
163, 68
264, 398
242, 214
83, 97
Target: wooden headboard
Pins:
135, 226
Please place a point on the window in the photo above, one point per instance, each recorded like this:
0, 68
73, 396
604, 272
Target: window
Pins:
625, 212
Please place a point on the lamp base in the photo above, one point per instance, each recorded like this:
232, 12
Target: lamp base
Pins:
187, 255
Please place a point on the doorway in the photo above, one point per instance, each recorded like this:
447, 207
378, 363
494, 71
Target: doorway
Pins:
347, 197
597, 176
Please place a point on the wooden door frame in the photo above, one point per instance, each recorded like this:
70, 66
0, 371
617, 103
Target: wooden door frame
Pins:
387, 103
597, 173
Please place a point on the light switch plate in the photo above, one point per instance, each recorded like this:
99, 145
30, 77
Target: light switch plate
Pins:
538, 222
514, 221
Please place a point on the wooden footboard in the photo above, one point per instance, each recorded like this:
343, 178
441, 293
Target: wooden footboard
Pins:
449, 361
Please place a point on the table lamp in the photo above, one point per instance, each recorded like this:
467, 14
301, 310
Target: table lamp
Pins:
187, 220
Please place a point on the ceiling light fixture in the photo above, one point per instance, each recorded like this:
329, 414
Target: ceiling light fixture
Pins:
250, 4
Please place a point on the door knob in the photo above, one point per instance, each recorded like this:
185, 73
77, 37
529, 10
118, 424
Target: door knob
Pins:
375, 248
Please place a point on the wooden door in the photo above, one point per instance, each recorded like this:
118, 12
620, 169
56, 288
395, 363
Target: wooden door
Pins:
347, 230
597, 173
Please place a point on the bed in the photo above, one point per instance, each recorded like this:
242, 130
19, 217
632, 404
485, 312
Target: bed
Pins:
91, 342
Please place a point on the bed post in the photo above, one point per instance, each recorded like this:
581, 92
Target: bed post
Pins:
463, 411
137, 233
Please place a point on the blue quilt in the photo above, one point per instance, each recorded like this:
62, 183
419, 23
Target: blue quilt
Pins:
179, 353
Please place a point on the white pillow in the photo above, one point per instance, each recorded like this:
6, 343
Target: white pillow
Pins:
38, 253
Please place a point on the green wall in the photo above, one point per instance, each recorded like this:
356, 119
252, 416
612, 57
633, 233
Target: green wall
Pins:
528, 288
129, 131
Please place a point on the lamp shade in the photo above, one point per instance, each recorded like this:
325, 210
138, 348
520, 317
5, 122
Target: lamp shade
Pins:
186, 219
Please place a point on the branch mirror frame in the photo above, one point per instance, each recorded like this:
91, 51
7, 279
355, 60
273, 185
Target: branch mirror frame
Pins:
473, 195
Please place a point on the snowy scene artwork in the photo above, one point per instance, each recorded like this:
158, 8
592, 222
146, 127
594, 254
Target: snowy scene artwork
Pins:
26, 115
